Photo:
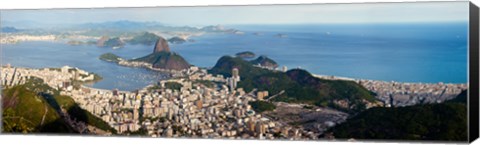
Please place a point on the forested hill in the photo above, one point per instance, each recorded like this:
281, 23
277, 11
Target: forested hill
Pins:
298, 85
442, 122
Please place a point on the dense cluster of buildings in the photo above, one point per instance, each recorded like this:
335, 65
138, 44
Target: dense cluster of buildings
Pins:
7, 39
199, 110
194, 110
56, 78
12, 77
397, 94
406, 94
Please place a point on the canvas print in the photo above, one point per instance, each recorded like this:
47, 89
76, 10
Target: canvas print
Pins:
360, 71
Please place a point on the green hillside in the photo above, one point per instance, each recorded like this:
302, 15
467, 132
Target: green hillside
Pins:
262, 106
173, 86
29, 101
80, 114
299, 85
445, 121
24, 110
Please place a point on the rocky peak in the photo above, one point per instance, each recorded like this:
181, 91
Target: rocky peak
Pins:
102, 40
161, 45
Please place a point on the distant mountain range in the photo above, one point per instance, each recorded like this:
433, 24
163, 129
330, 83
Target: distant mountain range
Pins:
10, 30
110, 28
109, 24
123, 24
126, 25
30, 24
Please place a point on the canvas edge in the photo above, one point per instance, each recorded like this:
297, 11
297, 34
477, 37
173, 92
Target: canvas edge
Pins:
1, 90
473, 76
473, 91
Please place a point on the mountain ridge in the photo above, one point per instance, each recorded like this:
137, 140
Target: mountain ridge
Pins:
299, 85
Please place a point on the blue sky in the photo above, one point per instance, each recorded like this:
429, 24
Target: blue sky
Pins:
422, 12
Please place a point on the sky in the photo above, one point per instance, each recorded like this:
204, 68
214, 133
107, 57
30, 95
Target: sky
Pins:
420, 12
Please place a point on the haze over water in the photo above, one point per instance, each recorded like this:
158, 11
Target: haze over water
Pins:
411, 52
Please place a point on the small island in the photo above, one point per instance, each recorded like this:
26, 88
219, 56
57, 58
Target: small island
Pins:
281, 35
107, 42
245, 55
257, 33
110, 57
177, 40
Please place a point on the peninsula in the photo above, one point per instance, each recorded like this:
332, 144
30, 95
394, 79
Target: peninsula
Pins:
160, 59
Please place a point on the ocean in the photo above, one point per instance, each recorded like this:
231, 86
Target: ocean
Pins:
427, 53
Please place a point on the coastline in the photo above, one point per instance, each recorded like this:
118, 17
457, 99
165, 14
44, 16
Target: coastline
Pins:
176, 73
401, 94
390, 93
139, 64
95, 100
332, 77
